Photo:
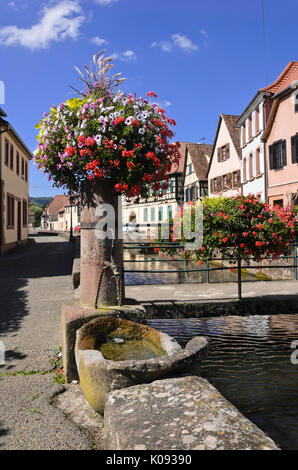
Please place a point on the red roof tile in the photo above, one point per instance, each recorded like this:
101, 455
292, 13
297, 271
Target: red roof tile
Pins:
57, 203
288, 75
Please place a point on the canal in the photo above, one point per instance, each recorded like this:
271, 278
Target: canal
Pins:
249, 358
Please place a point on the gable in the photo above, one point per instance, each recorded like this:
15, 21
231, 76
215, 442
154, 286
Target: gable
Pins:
226, 135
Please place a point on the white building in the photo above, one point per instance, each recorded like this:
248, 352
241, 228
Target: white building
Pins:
197, 158
252, 123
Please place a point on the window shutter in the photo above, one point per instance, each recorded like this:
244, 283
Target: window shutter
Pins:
294, 148
218, 155
271, 166
196, 192
227, 151
284, 152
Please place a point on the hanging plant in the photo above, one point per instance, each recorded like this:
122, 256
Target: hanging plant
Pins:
105, 134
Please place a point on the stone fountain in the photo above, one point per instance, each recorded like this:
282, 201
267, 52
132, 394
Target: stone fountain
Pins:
112, 353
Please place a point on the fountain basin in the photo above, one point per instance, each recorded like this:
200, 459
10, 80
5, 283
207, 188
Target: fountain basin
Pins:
112, 353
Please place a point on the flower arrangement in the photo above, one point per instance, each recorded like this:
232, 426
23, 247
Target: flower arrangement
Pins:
107, 135
241, 226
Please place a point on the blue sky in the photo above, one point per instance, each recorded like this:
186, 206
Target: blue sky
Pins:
202, 58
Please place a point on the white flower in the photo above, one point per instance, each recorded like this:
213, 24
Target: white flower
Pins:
139, 117
142, 131
121, 112
98, 138
122, 142
128, 120
116, 114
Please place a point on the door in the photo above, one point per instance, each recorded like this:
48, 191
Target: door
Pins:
19, 221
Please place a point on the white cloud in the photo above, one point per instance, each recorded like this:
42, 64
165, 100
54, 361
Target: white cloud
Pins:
124, 56
178, 40
98, 41
105, 3
204, 33
184, 43
165, 46
58, 22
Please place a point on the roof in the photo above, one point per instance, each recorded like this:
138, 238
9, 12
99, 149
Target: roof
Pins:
16, 135
288, 75
199, 154
57, 204
2, 113
233, 129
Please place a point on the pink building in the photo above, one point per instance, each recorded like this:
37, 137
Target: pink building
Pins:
281, 139
224, 172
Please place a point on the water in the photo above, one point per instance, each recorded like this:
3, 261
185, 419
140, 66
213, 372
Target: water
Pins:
157, 263
249, 363
130, 349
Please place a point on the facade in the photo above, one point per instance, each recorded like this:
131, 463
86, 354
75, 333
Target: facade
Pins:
224, 171
252, 123
281, 139
69, 215
50, 216
154, 211
14, 179
197, 158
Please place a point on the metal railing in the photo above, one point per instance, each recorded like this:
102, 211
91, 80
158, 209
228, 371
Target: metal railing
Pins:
150, 245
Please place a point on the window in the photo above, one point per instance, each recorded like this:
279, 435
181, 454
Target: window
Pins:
152, 214
236, 179
203, 188
26, 171
223, 153
193, 193
257, 120
160, 214
18, 163
186, 195
11, 156
227, 182
258, 162
279, 203
10, 211
294, 146
23, 168
218, 184
190, 169
25, 213
251, 175
6, 155
249, 127
243, 135
171, 185
145, 214
296, 103
244, 169
278, 155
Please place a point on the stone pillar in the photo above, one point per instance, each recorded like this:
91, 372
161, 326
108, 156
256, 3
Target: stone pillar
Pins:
96, 253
